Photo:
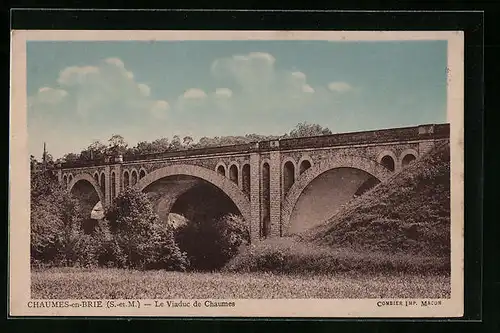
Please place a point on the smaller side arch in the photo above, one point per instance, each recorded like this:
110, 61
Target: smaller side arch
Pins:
305, 162
407, 156
126, 178
142, 173
221, 169
383, 160
134, 176
234, 173
288, 174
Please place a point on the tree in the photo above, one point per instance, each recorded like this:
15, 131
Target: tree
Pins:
70, 157
187, 141
145, 242
176, 144
55, 217
117, 145
305, 129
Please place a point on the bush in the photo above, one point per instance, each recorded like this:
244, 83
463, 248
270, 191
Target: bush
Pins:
211, 244
140, 239
291, 256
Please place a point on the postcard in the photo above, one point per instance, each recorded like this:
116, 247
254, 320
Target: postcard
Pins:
297, 174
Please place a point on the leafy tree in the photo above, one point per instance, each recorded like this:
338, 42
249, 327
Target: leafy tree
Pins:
211, 244
55, 217
305, 129
143, 240
70, 157
187, 141
117, 145
176, 144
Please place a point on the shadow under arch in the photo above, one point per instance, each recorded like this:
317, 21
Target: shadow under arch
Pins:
229, 188
362, 164
87, 177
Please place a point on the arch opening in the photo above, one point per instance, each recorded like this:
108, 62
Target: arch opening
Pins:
304, 165
88, 199
221, 170
326, 195
288, 176
409, 158
113, 186
65, 180
126, 179
193, 198
133, 180
142, 173
96, 178
233, 173
388, 162
245, 175
103, 183
265, 227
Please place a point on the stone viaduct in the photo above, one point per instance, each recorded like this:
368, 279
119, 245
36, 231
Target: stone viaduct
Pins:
280, 187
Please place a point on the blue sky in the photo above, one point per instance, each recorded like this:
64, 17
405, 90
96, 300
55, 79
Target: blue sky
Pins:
79, 92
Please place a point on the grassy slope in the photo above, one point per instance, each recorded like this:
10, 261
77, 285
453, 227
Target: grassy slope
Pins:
409, 214
402, 225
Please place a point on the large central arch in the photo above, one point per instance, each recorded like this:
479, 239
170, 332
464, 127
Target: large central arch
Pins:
351, 162
225, 185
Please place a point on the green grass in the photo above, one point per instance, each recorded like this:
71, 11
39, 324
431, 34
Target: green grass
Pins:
408, 214
72, 283
289, 255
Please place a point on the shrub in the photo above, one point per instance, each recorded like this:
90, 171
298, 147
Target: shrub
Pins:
140, 239
291, 256
211, 244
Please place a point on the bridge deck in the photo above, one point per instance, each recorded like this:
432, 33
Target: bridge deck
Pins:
423, 132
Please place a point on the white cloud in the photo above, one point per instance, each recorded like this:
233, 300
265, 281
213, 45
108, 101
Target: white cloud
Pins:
194, 93
159, 109
76, 74
340, 87
307, 88
144, 89
223, 93
48, 95
115, 62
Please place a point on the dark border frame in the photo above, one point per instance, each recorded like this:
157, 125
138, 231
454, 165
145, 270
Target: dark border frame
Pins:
470, 22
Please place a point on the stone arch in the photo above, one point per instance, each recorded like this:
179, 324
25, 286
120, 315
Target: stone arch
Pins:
126, 178
405, 153
142, 172
96, 177
234, 172
65, 180
134, 177
228, 187
356, 162
387, 158
113, 185
245, 178
221, 168
102, 182
288, 173
305, 163
91, 180
265, 198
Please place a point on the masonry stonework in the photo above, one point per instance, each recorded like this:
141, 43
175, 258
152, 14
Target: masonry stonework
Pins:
363, 151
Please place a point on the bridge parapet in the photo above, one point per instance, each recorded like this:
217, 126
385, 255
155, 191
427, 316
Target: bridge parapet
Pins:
416, 133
